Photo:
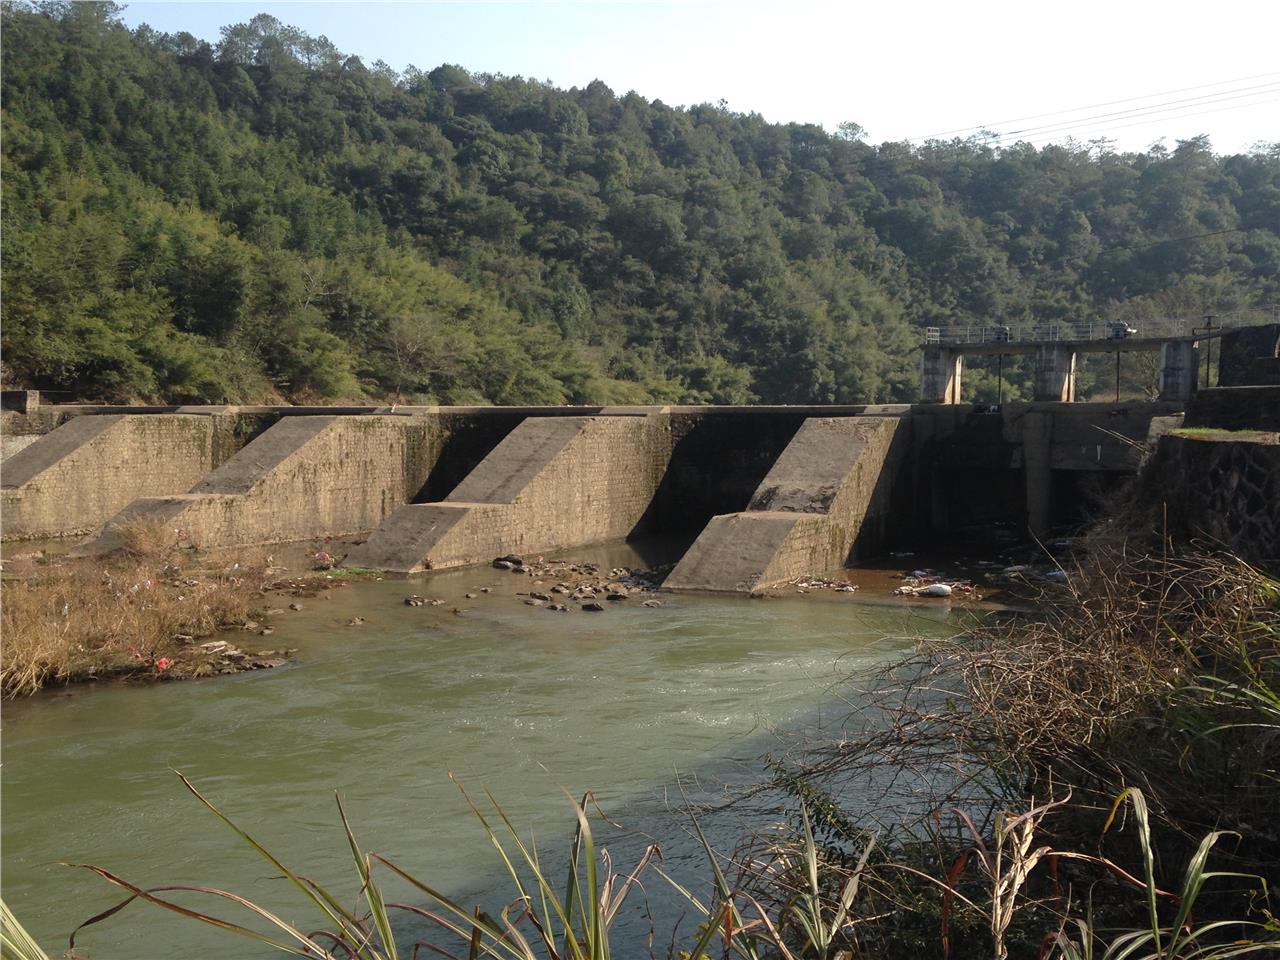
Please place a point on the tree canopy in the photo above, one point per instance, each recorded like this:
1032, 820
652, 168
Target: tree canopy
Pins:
268, 217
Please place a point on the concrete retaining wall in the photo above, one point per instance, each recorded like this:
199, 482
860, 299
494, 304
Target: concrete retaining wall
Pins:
69, 481
551, 484
826, 500
1236, 408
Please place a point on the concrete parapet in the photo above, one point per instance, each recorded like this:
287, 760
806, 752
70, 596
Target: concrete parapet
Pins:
69, 481
825, 499
553, 483
305, 477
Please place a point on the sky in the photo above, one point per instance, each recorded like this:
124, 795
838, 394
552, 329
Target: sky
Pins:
1134, 72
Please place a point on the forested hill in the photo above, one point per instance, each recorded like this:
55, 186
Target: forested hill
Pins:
268, 217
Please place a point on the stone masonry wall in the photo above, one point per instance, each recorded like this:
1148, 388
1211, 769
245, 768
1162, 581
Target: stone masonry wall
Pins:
73, 479
1219, 487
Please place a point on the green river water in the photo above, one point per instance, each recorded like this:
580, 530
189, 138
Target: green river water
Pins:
506, 697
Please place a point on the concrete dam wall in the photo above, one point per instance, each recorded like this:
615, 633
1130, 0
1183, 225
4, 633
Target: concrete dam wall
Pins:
305, 477
312, 477
772, 493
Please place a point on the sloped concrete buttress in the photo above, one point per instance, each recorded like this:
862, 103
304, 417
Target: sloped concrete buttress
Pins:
825, 496
305, 477
71, 480
553, 483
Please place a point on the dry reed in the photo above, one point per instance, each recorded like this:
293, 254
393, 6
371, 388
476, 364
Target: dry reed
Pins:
138, 610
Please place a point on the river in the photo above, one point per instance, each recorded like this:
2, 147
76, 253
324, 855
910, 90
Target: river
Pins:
509, 698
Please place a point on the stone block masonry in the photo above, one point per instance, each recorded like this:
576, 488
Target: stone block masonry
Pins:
1219, 488
303, 478
825, 500
69, 481
552, 484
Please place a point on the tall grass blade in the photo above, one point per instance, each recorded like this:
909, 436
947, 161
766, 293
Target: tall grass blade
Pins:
15, 942
310, 948
342, 919
377, 907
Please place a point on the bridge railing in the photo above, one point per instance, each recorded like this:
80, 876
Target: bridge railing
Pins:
1051, 332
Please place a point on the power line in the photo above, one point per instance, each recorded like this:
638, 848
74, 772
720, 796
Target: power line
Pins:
1194, 236
1106, 127
1092, 106
1204, 100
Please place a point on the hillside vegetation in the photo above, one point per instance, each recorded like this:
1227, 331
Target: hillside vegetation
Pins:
269, 218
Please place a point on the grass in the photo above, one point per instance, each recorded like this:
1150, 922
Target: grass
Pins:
543, 921
355, 572
15, 942
1217, 433
136, 612
798, 906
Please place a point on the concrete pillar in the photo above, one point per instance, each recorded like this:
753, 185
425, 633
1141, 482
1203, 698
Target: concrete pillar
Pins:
940, 369
1037, 468
1179, 367
1056, 373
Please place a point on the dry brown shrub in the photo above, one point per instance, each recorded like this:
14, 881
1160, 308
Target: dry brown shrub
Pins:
1145, 669
141, 538
72, 619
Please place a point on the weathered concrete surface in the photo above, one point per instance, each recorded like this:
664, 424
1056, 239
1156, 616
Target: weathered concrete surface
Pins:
1026, 464
828, 492
551, 484
69, 481
1250, 357
11, 445
1236, 408
305, 477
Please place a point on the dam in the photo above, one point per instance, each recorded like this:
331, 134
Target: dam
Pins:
777, 492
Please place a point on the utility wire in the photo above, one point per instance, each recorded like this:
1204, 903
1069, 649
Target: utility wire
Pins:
1092, 106
1106, 127
1156, 243
1190, 102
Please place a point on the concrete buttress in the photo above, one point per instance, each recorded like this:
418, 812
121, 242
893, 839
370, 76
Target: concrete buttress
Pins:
827, 494
553, 483
69, 481
305, 477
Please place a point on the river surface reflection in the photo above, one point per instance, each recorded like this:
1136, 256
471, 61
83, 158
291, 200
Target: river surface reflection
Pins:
507, 697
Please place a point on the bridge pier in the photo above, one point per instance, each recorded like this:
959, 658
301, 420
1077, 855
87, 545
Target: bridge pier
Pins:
940, 371
1056, 373
1179, 364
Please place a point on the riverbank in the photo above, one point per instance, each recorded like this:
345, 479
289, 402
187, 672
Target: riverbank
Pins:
155, 612
146, 612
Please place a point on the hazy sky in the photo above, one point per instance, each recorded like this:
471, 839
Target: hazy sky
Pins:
900, 69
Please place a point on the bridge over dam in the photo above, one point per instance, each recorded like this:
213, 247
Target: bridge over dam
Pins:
775, 492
